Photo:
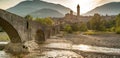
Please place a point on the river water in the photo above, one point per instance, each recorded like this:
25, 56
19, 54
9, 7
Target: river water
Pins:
66, 53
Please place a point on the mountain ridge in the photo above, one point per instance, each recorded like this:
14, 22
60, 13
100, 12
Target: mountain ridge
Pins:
26, 7
106, 9
46, 13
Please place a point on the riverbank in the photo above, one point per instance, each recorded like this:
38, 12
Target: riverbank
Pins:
84, 54
102, 40
110, 40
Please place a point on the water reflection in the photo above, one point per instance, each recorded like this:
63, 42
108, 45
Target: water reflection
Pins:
88, 48
81, 47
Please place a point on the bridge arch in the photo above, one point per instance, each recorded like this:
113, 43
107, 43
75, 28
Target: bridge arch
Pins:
10, 30
40, 36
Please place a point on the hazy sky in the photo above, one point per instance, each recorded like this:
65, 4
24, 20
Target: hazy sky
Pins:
86, 5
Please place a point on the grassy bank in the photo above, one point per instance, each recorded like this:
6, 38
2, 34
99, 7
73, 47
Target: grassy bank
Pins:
4, 36
91, 32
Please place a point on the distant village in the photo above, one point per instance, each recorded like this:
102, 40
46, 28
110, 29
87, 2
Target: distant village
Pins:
71, 18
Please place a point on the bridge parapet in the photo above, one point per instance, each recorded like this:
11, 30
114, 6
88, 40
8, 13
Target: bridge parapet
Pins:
14, 25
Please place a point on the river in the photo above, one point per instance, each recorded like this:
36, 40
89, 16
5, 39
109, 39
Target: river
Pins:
68, 46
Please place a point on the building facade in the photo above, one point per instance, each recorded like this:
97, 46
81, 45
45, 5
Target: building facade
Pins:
70, 17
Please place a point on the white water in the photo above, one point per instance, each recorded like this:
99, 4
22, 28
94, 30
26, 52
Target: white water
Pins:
3, 42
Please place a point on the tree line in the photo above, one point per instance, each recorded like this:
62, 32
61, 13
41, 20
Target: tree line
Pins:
96, 23
45, 21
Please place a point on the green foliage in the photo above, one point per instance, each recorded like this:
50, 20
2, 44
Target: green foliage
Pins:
28, 17
110, 23
75, 27
68, 28
118, 30
83, 27
96, 23
79, 27
112, 29
4, 37
102, 26
89, 32
118, 21
117, 24
46, 21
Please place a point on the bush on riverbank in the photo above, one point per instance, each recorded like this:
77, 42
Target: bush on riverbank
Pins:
68, 28
75, 27
118, 30
117, 24
89, 32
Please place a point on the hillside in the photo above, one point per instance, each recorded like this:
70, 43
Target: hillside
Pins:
46, 13
110, 9
27, 7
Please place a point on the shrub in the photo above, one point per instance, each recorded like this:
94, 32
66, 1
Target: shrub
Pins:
118, 30
28, 17
68, 28
89, 32
79, 27
112, 29
83, 27
46, 21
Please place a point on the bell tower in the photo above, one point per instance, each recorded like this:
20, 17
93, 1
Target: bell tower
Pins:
78, 10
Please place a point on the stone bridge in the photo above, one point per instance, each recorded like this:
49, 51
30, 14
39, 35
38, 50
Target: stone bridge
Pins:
21, 30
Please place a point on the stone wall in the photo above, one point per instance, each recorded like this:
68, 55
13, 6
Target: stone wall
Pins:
22, 31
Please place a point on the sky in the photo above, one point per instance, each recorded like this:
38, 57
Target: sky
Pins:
86, 5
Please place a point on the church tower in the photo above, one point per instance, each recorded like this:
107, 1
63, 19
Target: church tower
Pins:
78, 10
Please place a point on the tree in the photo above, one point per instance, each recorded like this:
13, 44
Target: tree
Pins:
102, 26
28, 17
83, 27
46, 21
96, 23
68, 28
110, 23
49, 21
117, 24
75, 27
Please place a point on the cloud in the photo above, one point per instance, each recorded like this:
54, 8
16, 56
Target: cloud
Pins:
4, 4
106, 1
